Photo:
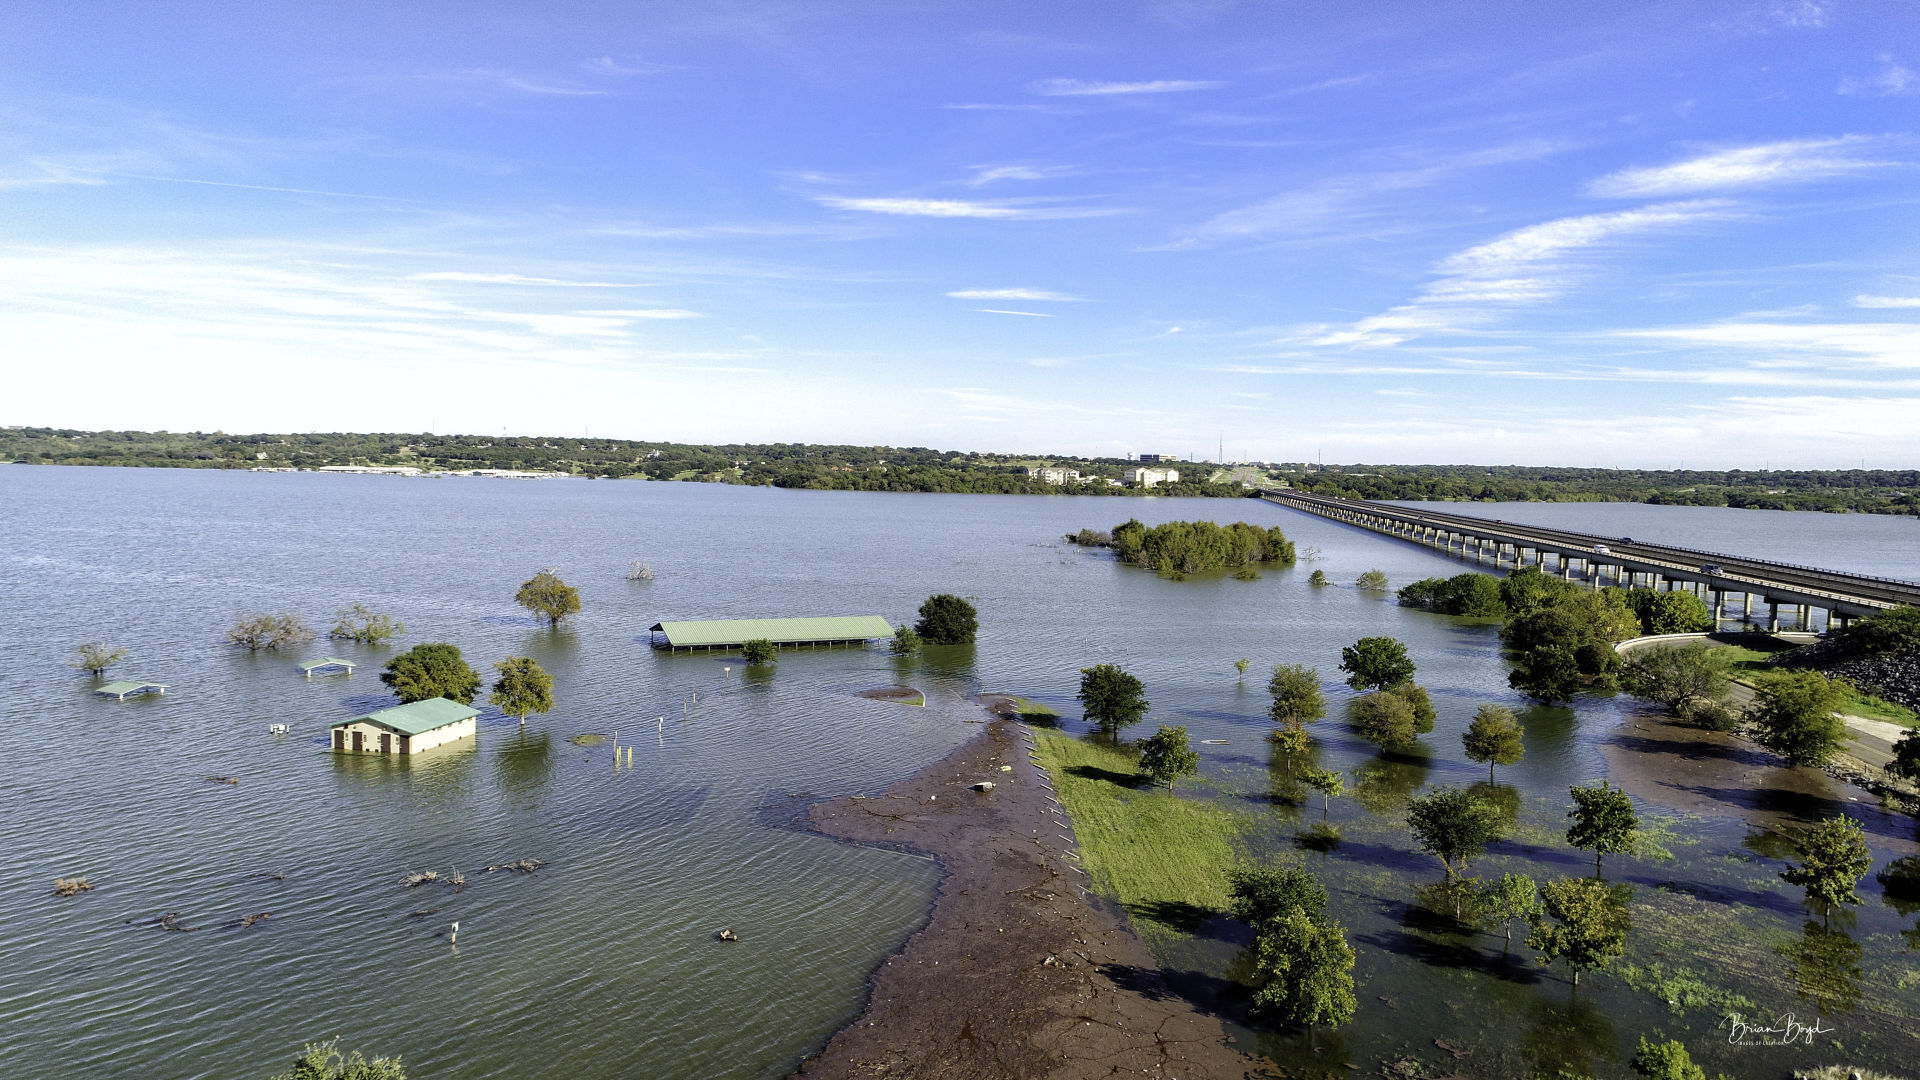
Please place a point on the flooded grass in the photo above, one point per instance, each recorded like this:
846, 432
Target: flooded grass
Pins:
1164, 858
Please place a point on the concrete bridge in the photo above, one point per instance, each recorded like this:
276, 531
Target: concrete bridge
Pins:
1608, 560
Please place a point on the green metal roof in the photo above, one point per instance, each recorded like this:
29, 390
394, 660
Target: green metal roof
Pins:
119, 688
330, 661
416, 717
779, 631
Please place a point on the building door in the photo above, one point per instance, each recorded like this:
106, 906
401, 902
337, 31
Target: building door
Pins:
339, 738
386, 743
359, 741
406, 744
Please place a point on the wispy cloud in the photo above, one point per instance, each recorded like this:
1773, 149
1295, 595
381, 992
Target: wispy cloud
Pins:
988, 174
1084, 88
1787, 162
1531, 264
1026, 210
1892, 80
1010, 294
477, 278
1879, 346
607, 65
1886, 301
1004, 311
648, 313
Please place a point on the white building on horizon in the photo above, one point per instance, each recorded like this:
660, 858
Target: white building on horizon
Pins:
1150, 477
1054, 475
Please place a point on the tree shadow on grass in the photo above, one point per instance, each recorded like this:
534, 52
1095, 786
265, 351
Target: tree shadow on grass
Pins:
1095, 772
1191, 919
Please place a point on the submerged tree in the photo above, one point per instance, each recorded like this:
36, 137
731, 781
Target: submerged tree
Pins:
324, 1061
1667, 1060
432, 670
1452, 826
1297, 699
523, 687
1372, 581
1328, 782
760, 651
1165, 756
946, 619
1303, 971
1257, 895
1493, 737
906, 641
1376, 663
1833, 858
1603, 822
548, 597
1112, 698
1393, 719
267, 631
1677, 675
1583, 921
1514, 896
365, 626
96, 657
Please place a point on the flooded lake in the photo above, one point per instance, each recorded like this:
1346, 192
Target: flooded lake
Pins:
603, 963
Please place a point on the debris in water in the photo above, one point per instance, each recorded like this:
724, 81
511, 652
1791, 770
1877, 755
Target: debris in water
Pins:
70, 886
727, 935
233, 780
245, 921
169, 921
524, 866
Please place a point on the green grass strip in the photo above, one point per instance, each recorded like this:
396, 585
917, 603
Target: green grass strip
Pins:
1163, 857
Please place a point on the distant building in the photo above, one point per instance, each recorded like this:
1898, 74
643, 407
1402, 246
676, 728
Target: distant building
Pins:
407, 729
1153, 457
1151, 477
1055, 476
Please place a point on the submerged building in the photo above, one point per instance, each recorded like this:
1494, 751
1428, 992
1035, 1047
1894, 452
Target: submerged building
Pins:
407, 729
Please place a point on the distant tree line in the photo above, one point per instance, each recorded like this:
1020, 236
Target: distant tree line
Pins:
1872, 491
788, 465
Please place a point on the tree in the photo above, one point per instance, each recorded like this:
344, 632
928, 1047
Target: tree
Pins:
1257, 895
1794, 714
1603, 822
1376, 663
1297, 699
1165, 756
523, 687
1241, 665
432, 670
1674, 613
1514, 896
1493, 737
1906, 757
1583, 921
1470, 594
1884, 631
366, 626
548, 597
1529, 589
324, 1061
1547, 673
906, 642
1674, 675
1371, 581
96, 657
760, 651
1303, 971
946, 619
1393, 719
1833, 858
1317, 578
1667, 1060
1452, 825
1328, 782
265, 631
1111, 698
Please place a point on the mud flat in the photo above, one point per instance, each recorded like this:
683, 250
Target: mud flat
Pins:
1016, 973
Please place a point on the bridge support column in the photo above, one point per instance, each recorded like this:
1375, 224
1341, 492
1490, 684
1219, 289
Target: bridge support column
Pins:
1746, 611
1806, 617
1566, 571
1773, 616
1719, 606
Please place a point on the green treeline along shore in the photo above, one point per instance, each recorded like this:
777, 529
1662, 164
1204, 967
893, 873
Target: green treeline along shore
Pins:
889, 468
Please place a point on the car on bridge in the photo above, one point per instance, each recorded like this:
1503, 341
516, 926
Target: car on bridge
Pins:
1711, 568
1601, 549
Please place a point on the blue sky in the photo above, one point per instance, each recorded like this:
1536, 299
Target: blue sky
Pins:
1606, 234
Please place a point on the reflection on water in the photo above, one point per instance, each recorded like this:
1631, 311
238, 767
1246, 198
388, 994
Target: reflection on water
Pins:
1573, 1037
1383, 783
523, 762
1826, 968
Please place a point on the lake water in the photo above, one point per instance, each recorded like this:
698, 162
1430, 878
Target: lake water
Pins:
603, 963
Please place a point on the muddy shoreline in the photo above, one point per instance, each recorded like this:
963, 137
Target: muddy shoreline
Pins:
1016, 974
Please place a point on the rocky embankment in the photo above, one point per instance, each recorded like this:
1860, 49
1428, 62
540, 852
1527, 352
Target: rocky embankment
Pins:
1894, 676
